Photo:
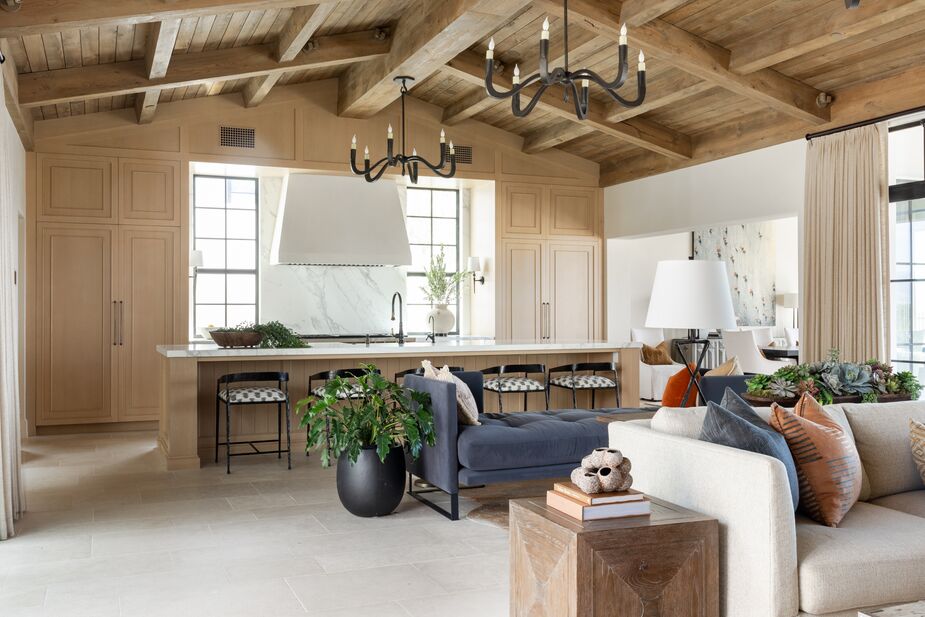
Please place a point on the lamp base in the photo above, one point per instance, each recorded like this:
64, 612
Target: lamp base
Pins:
693, 383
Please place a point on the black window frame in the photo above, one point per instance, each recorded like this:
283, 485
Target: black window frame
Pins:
226, 271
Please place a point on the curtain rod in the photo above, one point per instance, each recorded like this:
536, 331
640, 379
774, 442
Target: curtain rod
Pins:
856, 125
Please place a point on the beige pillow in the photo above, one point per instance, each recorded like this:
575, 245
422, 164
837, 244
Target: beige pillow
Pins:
467, 411
656, 356
728, 368
917, 437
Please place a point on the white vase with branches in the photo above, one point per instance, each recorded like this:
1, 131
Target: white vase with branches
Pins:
442, 289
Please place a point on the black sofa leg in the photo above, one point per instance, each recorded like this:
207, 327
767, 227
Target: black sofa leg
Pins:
453, 514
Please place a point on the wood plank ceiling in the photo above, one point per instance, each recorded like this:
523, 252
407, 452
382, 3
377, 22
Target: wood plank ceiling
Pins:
723, 77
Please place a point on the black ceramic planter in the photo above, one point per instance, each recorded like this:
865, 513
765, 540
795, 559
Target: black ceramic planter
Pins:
370, 487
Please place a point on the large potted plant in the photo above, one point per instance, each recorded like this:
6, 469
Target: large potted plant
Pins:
368, 425
441, 289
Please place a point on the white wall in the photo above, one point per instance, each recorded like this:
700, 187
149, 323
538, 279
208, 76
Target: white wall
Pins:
761, 185
482, 243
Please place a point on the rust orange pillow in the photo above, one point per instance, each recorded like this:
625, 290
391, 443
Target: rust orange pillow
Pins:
828, 465
674, 390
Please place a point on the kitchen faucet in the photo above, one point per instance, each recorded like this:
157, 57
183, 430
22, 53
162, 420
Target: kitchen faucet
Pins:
401, 322
432, 337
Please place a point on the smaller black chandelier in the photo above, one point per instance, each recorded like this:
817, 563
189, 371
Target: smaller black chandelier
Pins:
566, 78
409, 164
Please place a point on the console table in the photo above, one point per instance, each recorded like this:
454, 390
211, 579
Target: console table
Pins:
663, 564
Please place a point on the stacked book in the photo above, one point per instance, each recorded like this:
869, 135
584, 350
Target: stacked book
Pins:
571, 500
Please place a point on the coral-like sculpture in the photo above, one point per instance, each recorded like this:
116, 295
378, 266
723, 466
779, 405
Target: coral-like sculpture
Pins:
603, 471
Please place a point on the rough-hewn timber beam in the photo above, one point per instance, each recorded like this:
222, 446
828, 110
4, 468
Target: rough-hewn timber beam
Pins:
427, 36
825, 25
94, 81
296, 33
161, 39
554, 135
638, 12
22, 118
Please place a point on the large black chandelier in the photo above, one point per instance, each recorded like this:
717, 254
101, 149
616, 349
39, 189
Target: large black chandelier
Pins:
569, 80
409, 164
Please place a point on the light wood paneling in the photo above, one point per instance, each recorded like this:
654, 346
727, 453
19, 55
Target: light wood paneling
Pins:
522, 209
147, 306
150, 192
76, 188
77, 327
573, 290
572, 211
521, 295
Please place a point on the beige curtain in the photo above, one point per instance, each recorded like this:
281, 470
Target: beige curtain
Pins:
12, 183
845, 240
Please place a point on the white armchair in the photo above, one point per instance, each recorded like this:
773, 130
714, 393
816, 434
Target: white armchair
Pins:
742, 344
653, 378
793, 336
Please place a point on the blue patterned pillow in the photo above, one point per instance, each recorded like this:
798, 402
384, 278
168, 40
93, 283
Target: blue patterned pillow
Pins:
736, 425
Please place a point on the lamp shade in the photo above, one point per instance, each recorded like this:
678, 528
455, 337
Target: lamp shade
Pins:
195, 259
691, 295
475, 263
788, 300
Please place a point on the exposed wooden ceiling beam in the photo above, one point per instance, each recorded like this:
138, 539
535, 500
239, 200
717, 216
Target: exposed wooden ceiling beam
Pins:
426, 37
685, 87
161, 38
807, 32
304, 22
637, 131
44, 16
470, 105
94, 81
702, 58
638, 12
22, 118
858, 103
554, 135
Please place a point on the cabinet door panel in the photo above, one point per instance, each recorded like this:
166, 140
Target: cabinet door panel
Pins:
573, 291
572, 211
76, 330
76, 188
150, 192
147, 295
522, 209
523, 290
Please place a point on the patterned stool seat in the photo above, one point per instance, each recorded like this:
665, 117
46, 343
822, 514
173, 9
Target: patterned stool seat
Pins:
583, 382
253, 394
514, 384
355, 392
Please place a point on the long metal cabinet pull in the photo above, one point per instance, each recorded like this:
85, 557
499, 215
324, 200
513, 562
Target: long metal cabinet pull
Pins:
121, 323
115, 337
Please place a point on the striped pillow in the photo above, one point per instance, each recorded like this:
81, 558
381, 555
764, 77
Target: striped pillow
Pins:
828, 465
917, 436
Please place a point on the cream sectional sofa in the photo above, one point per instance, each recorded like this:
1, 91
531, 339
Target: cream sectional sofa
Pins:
774, 563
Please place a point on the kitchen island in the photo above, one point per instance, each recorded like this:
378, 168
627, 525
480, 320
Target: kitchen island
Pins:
189, 374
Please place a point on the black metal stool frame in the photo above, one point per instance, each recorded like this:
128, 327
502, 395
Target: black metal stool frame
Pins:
527, 370
282, 380
325, 376
595, 368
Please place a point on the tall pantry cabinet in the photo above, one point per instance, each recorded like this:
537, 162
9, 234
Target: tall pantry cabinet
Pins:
549, 262
106, 285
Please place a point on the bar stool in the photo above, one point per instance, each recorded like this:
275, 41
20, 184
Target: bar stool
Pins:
253, 395
514, 382
420, 371
592, 381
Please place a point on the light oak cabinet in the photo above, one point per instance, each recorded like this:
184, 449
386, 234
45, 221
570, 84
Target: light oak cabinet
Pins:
149, 192
107, 297
550, 290
548, 211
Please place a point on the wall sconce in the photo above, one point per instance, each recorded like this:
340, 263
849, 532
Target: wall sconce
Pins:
195, 261
475, 266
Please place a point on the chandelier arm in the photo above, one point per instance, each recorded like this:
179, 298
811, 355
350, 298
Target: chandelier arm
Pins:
353, 163
434, 168
373, 177
500, 94
515, 102
451, 172
603, 83
580, 100
640, 92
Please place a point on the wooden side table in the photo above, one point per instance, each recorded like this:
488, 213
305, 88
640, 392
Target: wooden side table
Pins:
663, 565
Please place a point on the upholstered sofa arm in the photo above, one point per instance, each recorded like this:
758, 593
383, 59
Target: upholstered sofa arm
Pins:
438, 464
747, 493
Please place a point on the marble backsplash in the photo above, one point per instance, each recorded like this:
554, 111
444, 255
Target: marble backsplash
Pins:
321, 299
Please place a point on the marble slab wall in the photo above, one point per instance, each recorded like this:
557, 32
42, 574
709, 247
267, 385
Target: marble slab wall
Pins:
321, 299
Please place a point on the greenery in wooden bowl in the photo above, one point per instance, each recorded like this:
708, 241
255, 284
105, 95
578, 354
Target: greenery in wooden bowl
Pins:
275, 335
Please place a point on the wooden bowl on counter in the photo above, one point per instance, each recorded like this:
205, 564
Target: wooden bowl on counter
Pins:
246, 338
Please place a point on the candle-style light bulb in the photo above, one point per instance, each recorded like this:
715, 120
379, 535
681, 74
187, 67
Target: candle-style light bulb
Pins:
442, 136
491, 49
544, 35
516, 78
623, 35
585, 84
452, 148
353, 143
642, 61
390, 132
366, 153
414, 151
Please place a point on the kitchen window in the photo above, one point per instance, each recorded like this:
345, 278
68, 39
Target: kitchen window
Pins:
433, 223
907, 264
225, 230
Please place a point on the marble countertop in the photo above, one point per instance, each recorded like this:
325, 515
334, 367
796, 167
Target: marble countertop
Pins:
443, 347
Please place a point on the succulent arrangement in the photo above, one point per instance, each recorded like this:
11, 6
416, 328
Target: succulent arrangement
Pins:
830, 379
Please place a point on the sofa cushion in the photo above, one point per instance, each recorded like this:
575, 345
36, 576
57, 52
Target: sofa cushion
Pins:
874, 557
917, 443
530, 439
881, 432
912, 502
658, 355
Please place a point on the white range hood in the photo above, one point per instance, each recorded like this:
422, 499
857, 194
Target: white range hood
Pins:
340, 221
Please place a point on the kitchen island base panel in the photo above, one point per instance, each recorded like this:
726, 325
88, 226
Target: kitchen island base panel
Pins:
187, 426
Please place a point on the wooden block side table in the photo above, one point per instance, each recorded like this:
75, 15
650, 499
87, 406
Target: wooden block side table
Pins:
663, 565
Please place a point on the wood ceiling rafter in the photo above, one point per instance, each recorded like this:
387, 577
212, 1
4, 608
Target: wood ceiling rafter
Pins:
161, 39
295, 35
20, 117
428, 36
637, 12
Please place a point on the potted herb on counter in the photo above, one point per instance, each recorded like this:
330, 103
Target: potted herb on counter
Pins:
441, 289
368, 425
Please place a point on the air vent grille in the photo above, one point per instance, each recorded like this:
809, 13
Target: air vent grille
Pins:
464, 155
234, 137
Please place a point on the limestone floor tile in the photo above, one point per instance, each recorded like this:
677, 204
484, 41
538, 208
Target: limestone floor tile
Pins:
420, 552
386, 609
482, 571
483, 602
146, 541
250, 502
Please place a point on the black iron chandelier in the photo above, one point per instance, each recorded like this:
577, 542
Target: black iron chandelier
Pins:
569, 80
409, 164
